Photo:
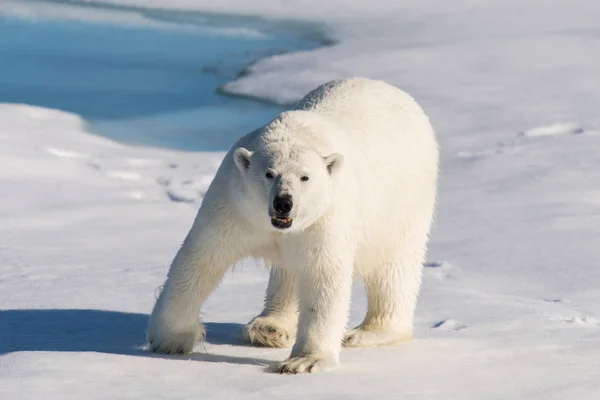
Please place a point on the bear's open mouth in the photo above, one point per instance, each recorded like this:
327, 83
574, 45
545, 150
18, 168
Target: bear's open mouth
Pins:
281, 223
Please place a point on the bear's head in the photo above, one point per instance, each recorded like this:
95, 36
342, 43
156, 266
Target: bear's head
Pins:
286, 185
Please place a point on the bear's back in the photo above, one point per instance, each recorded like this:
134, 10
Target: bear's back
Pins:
376, 116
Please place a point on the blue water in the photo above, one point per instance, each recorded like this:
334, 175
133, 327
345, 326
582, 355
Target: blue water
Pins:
145, 85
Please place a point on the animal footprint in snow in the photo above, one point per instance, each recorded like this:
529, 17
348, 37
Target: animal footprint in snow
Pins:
556, 300
585, 320
449, 325
180, 196
568, 128
437, 264
439, 270
184, 190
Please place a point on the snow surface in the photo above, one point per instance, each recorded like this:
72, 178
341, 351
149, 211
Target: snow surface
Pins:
511, 300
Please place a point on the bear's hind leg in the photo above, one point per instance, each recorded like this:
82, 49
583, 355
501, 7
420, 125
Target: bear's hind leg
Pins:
276, 325
392, 292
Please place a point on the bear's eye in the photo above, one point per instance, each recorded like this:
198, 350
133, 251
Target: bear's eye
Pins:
269, 175
304, 178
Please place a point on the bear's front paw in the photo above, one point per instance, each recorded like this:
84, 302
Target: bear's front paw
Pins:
269, 331
161, 339
306, 364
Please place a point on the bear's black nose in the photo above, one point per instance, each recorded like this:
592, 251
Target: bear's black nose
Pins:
283, 204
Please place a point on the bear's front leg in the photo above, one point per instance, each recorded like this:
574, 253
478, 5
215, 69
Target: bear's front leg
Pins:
197, 269
324, 288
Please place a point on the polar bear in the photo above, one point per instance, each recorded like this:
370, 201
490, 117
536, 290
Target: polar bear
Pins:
344, 183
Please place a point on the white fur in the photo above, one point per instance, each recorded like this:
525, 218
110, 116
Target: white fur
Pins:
372, 160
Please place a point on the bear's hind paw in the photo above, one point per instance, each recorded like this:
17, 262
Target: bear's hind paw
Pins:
269, 332
361, 337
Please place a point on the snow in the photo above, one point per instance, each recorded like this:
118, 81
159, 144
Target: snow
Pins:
510, 305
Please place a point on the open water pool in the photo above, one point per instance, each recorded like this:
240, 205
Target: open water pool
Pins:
152, 84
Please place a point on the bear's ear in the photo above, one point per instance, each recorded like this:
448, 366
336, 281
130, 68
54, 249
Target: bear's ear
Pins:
241, 156
334, 162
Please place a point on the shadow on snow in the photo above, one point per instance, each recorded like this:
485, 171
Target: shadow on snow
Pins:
100, 331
